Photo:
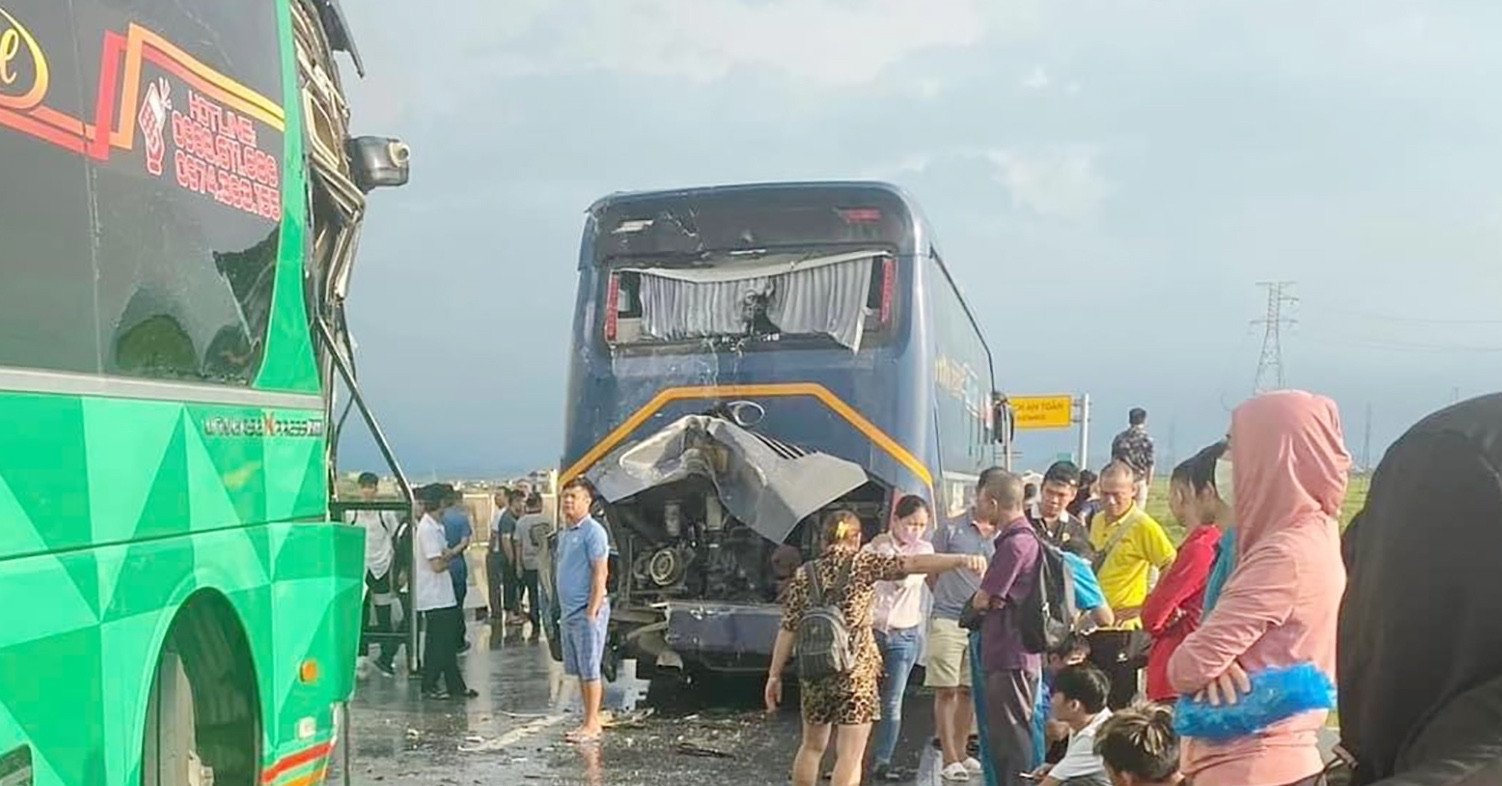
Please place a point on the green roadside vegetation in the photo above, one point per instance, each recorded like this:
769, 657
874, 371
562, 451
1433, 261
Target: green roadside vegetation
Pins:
1157, 504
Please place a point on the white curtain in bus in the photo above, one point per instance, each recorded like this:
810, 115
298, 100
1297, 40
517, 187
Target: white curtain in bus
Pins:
743, 267
828, 300
823, 295
673, 309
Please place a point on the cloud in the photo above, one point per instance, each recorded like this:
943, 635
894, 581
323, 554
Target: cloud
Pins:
1036, 80
1059, 182
823, 42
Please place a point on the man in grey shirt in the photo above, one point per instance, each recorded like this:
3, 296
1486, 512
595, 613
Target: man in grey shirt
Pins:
948, 669
532, 530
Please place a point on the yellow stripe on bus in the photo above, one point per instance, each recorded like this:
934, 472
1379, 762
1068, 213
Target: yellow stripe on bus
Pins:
776, 390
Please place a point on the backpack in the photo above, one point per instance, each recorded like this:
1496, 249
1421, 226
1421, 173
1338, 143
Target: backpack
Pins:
823, 639
1047, 614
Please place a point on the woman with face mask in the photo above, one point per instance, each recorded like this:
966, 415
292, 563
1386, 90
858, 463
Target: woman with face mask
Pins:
1225, 555
1277, 612
897, 619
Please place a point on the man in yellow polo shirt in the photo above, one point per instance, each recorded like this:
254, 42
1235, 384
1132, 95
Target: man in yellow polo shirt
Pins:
1129, 544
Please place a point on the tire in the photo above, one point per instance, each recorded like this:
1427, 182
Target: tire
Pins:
203, 720
171, 744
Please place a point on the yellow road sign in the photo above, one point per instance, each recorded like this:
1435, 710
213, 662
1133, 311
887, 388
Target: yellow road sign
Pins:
1043, 412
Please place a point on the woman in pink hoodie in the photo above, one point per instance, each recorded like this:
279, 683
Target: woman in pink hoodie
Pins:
1279, 608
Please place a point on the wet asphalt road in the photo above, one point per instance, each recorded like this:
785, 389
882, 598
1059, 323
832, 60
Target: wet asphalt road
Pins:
713, 733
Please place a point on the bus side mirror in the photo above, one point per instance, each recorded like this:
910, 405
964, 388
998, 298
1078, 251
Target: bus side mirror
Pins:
1003, 425
379, 162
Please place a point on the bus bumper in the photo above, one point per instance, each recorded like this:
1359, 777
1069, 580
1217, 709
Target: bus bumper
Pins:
728, 637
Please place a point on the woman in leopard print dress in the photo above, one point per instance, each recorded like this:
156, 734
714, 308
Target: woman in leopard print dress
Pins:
848, 701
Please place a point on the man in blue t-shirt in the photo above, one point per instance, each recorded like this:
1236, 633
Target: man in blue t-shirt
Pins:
458, 532
583, 608
1091, 602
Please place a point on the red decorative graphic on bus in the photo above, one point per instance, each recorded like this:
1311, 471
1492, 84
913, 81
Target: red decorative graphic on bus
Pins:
216, 154
153, 119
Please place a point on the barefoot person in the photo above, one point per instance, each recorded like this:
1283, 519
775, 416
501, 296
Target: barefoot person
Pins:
584, 611
848, 702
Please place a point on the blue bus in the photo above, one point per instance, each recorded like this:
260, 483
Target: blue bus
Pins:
745, 359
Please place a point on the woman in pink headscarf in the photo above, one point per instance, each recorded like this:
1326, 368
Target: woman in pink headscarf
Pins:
1279, 608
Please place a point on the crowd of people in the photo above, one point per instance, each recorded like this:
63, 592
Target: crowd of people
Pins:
1154, 629
1212, 661
516, 535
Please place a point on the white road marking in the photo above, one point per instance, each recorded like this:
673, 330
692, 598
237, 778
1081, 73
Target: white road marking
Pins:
514, 736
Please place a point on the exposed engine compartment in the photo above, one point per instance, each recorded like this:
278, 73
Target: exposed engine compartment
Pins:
709, 521
679, 543
696, 551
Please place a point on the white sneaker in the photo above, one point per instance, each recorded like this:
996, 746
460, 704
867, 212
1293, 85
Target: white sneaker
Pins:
955, 773
973, 765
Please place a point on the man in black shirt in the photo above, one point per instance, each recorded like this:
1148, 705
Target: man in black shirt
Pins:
1060, 485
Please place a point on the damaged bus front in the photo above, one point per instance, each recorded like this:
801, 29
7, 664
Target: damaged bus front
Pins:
747, 359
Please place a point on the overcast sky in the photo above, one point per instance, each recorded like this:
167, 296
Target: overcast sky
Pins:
1108, 180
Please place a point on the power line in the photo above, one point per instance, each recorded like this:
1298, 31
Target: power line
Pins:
1406, 319
1393, 345
1270, 364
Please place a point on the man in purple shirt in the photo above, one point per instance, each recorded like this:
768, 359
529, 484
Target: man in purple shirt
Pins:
1011, 672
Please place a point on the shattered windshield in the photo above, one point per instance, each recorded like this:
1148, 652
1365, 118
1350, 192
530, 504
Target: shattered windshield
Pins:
840, 296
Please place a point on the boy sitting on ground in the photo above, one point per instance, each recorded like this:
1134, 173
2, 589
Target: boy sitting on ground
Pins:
1078, 700
1140, 748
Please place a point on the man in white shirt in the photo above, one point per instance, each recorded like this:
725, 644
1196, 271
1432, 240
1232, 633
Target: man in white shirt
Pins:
380, 528
435, 600
1079, 701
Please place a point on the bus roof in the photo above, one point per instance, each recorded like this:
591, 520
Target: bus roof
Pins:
628, 197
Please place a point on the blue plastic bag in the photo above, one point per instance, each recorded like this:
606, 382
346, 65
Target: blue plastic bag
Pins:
1277, 694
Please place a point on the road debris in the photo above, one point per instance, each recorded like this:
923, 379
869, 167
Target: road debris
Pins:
690, 748
630, 720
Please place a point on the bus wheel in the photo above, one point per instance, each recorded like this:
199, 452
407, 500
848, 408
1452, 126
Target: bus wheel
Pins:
203, 720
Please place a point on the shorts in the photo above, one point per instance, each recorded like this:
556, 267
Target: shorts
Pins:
948, 655
584, 644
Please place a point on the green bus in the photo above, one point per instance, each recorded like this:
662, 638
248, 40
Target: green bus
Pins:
179, 198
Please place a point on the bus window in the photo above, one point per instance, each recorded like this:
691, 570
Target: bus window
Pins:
47, 291
842, 297
187, 245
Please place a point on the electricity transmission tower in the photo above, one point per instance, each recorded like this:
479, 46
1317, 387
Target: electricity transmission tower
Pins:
1270, 365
